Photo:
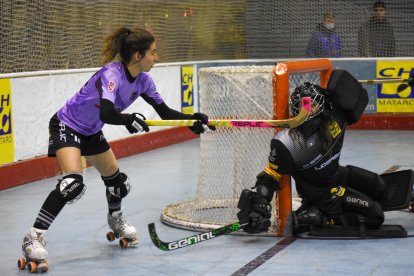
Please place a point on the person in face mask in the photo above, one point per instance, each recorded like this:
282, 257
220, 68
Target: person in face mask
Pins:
324, 42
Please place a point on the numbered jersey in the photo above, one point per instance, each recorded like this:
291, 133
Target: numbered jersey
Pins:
114, 83
310, 153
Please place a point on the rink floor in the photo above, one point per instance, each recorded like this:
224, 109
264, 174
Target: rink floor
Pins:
78, 245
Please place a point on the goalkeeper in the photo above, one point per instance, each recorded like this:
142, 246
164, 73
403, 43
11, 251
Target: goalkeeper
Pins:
331, 194
76, 130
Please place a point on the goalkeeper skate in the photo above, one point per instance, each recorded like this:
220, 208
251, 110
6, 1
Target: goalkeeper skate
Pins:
122, 230
34, 252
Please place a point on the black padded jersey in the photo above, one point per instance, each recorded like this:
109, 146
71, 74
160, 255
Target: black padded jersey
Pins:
307, 154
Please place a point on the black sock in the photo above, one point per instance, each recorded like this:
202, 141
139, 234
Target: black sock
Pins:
52, 206
50, 209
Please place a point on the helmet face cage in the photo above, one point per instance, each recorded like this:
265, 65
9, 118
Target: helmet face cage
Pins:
315, 92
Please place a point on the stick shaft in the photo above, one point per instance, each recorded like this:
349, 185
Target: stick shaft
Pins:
286, 123
382, 81
221, 123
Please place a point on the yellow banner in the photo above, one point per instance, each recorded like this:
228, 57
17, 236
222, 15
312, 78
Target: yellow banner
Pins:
6, 132
388, 97
187, 95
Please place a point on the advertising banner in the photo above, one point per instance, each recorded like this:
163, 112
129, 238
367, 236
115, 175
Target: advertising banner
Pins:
389, 99
187, 89
6, 126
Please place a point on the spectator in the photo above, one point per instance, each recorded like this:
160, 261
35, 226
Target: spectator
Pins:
376, 36
324, 42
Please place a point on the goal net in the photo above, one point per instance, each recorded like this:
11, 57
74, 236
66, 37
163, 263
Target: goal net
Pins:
63, 34
230, 158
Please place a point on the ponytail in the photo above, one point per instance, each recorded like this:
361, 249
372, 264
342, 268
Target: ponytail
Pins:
126, 42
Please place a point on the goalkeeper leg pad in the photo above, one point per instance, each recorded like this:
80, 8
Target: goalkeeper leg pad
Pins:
399, 186
366, 182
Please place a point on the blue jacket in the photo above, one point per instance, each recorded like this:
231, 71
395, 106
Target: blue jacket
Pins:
324, 43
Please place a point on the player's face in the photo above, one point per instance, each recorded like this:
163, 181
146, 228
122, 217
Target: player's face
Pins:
145, 63
314, 108
379, 12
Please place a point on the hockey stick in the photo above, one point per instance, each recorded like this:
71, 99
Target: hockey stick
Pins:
168, 246
285, 123
405, 83
382, 81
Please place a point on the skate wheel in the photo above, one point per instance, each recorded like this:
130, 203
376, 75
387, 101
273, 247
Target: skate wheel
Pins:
32, 266
110, 236
43, 267
123, 243
21, 263
133, 242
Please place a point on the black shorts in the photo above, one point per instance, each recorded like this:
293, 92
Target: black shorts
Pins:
62, 136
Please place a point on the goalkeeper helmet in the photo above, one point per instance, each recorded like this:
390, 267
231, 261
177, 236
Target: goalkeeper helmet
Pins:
307, 89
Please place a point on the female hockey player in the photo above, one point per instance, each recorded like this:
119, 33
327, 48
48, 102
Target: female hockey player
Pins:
75, 131
331, 194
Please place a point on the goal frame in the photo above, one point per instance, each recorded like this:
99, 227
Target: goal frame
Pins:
210, 209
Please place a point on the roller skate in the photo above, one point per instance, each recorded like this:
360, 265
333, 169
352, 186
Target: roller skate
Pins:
122, 230
34, 252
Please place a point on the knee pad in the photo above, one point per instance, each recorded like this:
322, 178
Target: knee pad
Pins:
118, 185
366, 182
71, 188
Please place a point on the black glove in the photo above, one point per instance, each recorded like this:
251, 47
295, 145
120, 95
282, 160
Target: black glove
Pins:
198, 127
254, 210
136, 124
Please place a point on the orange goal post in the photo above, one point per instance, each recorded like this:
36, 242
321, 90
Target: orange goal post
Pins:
230, 158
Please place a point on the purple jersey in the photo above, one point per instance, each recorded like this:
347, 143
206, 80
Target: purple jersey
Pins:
114, 83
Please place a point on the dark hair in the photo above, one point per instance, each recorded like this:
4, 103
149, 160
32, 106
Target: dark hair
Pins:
379, 4
126, 42
328, 15
319, 124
